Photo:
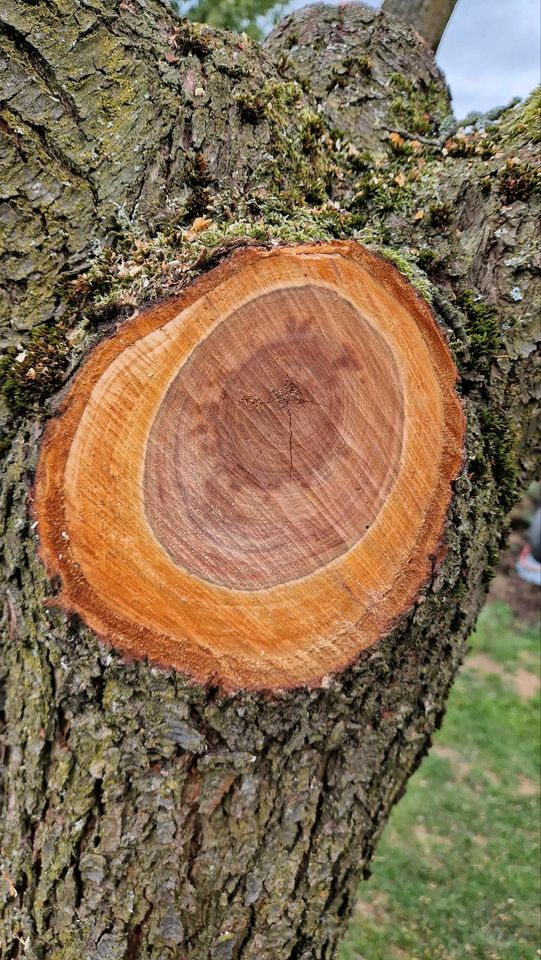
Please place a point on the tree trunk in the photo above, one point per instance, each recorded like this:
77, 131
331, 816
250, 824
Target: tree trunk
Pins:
429, 17
147, 814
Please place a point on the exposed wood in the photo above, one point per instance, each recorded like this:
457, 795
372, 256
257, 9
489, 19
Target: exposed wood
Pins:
429, 17
250, 482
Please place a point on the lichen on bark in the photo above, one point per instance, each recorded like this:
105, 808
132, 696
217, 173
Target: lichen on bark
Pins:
145, 816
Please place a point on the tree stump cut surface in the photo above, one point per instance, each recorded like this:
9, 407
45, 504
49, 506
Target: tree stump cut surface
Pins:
250, 482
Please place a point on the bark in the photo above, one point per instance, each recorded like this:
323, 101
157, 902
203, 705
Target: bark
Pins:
110, 113
461, 205
429, 17
359, 62
143, 815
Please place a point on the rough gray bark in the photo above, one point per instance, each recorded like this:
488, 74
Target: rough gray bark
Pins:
358, 62
110, 113
429, 17
143, 816
460, 206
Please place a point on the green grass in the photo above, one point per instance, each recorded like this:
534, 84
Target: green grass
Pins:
456, 875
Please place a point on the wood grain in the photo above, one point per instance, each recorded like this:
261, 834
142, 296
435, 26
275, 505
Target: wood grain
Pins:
250, 482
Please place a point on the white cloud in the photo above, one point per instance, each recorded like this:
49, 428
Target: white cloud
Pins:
490, 52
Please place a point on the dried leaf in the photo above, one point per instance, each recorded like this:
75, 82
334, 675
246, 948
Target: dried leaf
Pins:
199, 224
129, 270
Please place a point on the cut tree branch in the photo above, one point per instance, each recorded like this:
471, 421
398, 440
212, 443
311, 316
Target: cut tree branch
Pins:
234, 564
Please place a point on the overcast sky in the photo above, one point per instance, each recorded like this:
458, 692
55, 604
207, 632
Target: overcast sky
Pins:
489, 53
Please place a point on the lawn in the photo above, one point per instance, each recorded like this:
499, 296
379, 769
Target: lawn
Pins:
456, 875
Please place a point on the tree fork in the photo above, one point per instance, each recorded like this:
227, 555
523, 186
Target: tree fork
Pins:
461, 206
146, 814
429, 17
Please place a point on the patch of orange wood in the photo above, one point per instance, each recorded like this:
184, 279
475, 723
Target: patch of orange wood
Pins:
250, 482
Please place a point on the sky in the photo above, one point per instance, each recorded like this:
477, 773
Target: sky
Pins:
489, 52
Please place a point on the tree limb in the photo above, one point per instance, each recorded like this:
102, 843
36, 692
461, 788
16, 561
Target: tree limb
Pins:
428, 17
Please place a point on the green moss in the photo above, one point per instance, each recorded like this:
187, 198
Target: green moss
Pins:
252, 106
313, 128
418, 107
426, 258
285, 66
523, 121
471, 145
360, 161
486, 184
194, 38
372, 188
302, 163
499, 438
482, 327
349, 67
400, 147
297, 159
282, 95
273, 98
31, 371
518, 181
140, 269
395, 183
364, 65
440, 215
380, 191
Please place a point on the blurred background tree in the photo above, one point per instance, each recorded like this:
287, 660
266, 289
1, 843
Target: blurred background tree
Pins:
254, 17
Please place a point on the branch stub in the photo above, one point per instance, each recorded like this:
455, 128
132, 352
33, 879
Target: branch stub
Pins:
249, 482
